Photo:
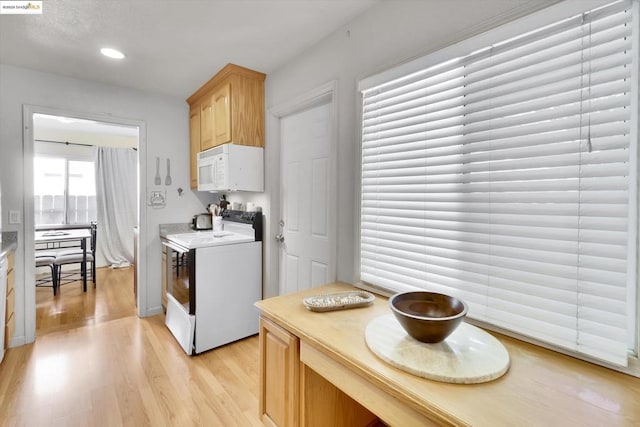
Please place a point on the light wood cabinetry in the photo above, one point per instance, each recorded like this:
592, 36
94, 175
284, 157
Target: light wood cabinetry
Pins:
279, 375
221, 101
229, 108
542, 387
194, 144
293, 394
10, 318
164, 276
323, 404
206, 124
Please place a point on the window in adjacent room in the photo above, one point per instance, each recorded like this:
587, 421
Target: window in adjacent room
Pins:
64, 191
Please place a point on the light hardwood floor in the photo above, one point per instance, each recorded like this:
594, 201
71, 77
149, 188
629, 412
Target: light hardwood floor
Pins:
95, 363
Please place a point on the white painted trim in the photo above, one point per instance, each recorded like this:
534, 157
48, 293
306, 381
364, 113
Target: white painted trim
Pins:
272, 185
357, 211
326, 92
497, 31
306, 100
142, 300
634, 242
28, 223
29, 268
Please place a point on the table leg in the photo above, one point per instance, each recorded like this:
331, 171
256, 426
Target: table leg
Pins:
83, 269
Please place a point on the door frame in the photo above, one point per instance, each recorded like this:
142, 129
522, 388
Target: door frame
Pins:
29, 245
325, 92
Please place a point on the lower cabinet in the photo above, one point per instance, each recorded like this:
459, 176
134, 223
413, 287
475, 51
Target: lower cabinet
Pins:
10, 318
293, 394
323, 404
279, 375
164, 277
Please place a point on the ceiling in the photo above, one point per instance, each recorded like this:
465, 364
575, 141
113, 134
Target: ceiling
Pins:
172, 46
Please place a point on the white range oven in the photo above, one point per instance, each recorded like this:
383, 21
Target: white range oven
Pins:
214, 281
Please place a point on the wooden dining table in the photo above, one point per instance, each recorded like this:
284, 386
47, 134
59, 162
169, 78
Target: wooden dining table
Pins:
64, 239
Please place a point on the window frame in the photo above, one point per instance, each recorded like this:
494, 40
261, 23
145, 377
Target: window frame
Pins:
463, 47
67, 157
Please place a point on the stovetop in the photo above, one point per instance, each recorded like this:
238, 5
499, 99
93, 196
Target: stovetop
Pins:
202, 239
238, 227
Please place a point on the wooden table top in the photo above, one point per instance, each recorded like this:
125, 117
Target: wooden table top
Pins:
542, 387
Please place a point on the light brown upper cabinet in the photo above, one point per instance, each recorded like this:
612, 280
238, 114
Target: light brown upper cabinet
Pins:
206, 124
229, 108
194, 143
221, 102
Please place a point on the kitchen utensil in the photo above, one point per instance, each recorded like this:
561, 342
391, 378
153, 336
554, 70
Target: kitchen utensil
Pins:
213, 209
167, 180
158, 180
223, 203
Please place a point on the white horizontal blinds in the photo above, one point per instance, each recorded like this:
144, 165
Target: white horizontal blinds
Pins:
502, 177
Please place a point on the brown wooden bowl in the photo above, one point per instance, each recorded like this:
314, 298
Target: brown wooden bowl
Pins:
428, 316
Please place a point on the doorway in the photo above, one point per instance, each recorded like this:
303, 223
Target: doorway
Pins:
306, 240
70, 129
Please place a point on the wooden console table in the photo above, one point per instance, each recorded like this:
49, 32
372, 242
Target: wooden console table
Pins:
317, 370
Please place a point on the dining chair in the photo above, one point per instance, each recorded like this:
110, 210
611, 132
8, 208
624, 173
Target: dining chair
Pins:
46, 259
74, 256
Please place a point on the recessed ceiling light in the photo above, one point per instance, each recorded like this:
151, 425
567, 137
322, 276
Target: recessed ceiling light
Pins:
112, 53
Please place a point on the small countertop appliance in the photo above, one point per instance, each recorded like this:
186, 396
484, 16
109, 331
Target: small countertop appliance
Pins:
202, 221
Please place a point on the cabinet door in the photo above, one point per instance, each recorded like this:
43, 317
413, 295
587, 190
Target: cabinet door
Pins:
194, 144
10, 300
164, 277
222, 114
207, 139
279, 375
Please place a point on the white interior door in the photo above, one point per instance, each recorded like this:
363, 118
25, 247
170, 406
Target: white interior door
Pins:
307, 248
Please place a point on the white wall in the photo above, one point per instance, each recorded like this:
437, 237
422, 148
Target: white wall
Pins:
166, 120
387, 34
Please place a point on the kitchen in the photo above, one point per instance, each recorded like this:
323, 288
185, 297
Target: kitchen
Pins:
363, 47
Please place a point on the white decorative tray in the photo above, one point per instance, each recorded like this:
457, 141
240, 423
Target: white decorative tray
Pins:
338, 301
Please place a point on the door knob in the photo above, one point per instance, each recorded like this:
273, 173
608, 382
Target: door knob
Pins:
280, 237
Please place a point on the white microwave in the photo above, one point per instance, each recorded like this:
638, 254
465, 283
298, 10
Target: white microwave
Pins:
231, 167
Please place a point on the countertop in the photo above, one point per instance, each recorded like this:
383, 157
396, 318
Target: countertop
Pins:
174, 229
541, 387
9, 243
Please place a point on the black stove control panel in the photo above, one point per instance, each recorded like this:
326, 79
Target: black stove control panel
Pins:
240, 216
253, 218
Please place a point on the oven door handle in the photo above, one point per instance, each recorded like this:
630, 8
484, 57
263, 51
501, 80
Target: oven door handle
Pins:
174, 246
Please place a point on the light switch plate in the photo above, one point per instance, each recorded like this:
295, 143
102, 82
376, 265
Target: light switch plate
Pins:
14, 217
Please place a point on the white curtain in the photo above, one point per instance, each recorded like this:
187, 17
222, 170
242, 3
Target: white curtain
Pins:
116, 193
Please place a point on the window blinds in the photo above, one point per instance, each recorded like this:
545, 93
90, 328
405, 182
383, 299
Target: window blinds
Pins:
506, 177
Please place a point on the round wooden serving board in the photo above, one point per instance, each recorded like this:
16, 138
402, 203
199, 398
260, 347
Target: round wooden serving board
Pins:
468, 356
